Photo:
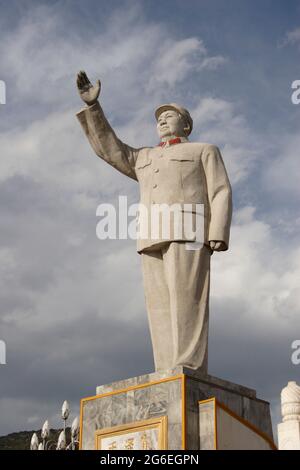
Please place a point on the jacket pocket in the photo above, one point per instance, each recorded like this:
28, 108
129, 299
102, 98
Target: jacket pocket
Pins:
182, 159
143, 164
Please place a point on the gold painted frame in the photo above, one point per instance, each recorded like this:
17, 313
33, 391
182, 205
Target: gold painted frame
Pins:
160, 423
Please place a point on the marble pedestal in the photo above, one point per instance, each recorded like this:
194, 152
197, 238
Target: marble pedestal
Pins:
166, 402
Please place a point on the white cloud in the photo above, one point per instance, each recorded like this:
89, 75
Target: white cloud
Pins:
177, 59
259, 275
218, 121
282, 174
292, 37
54, 153
42, 57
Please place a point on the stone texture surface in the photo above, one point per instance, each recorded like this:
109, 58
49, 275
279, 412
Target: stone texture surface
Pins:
165, 398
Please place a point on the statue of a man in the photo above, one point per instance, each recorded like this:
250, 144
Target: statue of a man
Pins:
176, 279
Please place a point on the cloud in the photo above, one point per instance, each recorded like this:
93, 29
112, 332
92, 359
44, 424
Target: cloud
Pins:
42, 57
220, 122
177, 59
282, 174
253, 262
291, 37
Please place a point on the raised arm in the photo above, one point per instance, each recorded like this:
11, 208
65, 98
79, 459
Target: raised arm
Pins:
219, 197
100, 134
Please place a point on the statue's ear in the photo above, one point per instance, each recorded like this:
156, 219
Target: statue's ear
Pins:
187, 129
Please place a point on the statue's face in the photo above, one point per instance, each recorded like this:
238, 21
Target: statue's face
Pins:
170, 123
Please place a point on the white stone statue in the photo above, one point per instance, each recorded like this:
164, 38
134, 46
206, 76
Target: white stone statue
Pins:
289, 429
180, 172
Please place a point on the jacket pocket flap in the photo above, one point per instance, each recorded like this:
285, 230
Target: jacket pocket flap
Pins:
182, 159
143, 163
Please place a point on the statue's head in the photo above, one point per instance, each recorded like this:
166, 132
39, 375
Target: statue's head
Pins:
173, 120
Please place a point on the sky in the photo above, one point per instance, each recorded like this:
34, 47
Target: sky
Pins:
72, 311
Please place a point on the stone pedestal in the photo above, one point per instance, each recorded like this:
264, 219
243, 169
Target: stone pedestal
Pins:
161, 410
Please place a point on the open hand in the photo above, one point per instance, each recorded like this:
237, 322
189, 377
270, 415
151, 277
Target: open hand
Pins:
89, 93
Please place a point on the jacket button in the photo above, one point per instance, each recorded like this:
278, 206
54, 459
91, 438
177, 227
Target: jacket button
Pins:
154, 186
156, 170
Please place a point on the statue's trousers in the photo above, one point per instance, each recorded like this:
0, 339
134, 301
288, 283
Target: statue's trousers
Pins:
176, 283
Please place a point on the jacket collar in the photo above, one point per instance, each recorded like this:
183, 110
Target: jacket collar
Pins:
175, 140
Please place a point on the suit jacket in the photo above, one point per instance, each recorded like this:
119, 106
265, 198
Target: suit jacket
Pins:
190, 173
